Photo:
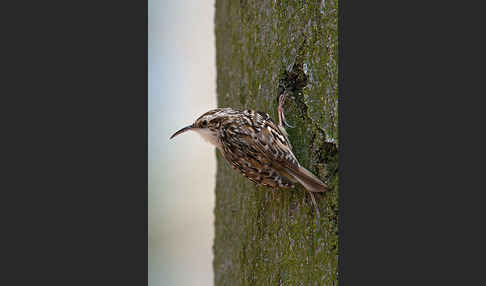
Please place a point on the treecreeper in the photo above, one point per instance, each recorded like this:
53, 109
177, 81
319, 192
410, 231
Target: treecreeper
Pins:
257, 147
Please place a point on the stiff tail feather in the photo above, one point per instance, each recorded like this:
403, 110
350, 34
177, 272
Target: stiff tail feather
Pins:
308, 180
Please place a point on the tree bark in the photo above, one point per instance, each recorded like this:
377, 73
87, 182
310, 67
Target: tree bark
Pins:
263, 48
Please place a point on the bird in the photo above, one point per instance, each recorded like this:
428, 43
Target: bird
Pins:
255, 146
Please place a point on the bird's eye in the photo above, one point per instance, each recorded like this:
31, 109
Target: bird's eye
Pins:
204, 123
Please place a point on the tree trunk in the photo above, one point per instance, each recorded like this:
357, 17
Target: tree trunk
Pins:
266, 237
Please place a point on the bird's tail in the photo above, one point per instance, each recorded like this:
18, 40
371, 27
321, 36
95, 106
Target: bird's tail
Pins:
308, 180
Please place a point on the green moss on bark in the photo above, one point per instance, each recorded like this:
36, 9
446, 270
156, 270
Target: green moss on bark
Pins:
274, 238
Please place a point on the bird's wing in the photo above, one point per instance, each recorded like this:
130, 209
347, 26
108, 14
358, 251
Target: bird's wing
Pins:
253, 145
255, 133
280, 153
273, 143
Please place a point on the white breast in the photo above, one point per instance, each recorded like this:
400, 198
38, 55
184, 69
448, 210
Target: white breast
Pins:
209, 136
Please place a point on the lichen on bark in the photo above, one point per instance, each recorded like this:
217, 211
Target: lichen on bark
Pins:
262, 48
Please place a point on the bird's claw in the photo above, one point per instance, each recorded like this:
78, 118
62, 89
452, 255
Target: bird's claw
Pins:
281, 116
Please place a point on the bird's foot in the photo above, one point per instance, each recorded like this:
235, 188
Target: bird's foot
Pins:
281, 116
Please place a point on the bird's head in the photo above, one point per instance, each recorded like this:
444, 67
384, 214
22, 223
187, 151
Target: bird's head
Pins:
206, 125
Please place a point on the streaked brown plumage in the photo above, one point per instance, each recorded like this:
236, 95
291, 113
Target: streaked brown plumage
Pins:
256, 146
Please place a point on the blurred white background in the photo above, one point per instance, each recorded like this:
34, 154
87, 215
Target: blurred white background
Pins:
182, 86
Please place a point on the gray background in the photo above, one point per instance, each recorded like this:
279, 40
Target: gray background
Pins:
182, 86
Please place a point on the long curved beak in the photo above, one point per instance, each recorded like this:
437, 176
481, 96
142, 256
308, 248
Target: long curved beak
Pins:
187, 128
